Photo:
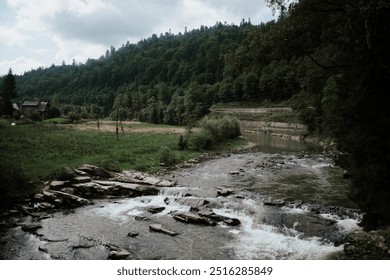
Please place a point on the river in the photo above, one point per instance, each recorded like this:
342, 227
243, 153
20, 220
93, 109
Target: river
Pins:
290, 199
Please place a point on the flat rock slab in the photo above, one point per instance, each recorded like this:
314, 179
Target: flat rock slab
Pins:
72, 199
81, 179
94, 171
160, 228
142, 178
57, 185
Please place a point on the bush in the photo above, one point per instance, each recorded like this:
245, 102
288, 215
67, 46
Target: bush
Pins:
202, 140
62, 173
13, 183
182, 144
111, 165
167, 156
215, 130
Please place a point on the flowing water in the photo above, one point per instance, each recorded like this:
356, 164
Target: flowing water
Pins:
311, 225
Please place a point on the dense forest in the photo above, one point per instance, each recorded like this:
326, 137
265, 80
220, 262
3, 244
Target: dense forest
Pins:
170, 79
328, 58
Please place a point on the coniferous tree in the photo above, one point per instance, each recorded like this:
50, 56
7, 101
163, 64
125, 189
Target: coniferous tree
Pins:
8, 92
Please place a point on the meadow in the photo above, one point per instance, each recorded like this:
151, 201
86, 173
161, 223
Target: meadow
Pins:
36, 152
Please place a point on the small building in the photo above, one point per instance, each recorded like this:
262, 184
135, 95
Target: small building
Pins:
35, 105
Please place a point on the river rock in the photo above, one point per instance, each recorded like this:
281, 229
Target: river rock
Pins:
81, 179
57, 185
133, 234
142, 178
97, 189
219, 218
363, 245
94, 171
160, 228
72, 199
225, 192
49, 195
274, 202
119, 255
192, 218
156, 210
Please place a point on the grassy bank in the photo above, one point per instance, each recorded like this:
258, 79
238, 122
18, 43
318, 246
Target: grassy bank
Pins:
37, 151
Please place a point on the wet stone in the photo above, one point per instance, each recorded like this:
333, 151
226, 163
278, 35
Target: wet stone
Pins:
155, 210
160, 228
133, 234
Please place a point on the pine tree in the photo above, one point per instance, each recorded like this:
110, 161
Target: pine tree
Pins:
8, 92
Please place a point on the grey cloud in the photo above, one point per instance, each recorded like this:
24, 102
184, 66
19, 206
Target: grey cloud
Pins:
137, 19
127, 19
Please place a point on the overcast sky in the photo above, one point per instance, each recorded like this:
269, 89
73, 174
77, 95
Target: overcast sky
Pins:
36, 33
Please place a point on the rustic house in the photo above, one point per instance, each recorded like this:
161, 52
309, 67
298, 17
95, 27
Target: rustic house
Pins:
34, 105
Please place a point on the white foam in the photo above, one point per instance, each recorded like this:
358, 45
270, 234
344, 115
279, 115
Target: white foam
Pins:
260, 241
348, 225
126, 208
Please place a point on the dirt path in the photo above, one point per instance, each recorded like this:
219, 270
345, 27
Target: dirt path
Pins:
128, 127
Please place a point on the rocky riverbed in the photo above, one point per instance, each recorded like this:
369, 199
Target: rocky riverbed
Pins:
243, 206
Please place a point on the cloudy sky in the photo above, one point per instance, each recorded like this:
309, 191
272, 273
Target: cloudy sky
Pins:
36, 33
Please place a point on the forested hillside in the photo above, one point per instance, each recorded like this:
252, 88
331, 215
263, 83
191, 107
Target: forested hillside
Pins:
330, 59
169, 79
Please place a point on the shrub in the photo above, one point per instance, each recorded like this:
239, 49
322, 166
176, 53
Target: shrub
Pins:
13, 183
202, 140
182, 144
167, 156
215, 130
111, 165
62, 173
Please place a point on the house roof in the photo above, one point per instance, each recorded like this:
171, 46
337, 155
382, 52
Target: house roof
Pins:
30, 103
42, 106
35, 103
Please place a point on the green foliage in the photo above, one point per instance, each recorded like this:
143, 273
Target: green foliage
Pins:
111, 165
167, 156
62, 173
14, 182
215, 130
74, 117
7, 93
202, 140
54, 112
182, 144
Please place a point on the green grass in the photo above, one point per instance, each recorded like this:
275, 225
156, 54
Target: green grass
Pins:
42, 148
